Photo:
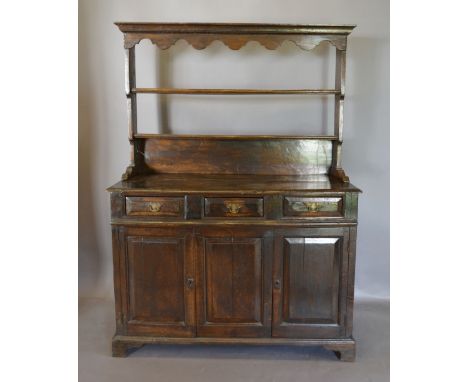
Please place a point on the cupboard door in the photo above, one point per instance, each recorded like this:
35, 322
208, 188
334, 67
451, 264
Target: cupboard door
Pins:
160, 285
309, 278
234, 291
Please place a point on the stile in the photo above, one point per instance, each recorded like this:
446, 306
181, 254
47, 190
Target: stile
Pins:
130, 82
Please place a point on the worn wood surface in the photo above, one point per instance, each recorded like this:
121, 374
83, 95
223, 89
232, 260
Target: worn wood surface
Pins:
340, 78
301, 206
235, 36
156, 279
155, 206
156, 266
233, 156
310, 277
234, 91
343, 348
215, 137
234, 294
234, 28
233, 207
150, 155
130, 82
225, 184
234, 239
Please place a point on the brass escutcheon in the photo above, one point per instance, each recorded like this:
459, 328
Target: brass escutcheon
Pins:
233, 208
312, 206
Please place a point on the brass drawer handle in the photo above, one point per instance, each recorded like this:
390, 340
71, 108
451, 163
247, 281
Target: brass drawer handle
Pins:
306, 206
312, 206
233, 208
155, 207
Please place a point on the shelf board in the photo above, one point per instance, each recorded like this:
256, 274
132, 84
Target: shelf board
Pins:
235, 137
235, 91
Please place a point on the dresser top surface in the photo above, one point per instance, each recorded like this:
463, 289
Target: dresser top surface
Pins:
231, 184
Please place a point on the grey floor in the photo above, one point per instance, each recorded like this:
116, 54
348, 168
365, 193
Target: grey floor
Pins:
231, 363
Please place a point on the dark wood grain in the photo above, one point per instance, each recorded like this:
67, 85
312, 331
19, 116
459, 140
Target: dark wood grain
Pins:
310, 280
233, 207
233, 279
351, 269
340, 76
117, 258
130, 82
234, 239
234, 297
225, 184
193, 206
200, 35
341, 346
233, 28
157, 267
235, 91
301, 206
309, 287
156, 279
235, 36
215, 137
233, 156
155, 206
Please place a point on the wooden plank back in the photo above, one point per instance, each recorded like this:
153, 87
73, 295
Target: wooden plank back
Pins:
234, 155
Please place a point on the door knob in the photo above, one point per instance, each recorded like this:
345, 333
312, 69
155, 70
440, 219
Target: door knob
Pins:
277, 284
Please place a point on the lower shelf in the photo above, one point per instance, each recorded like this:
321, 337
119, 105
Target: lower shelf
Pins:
344, 349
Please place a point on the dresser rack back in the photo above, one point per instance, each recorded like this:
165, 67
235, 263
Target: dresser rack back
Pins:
235, 154
248, 155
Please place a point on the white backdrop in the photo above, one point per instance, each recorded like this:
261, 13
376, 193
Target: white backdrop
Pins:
103, 144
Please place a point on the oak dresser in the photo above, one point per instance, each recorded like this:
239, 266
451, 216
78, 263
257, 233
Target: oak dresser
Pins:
234, 239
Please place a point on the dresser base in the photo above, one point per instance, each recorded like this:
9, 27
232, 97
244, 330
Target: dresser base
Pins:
344, 349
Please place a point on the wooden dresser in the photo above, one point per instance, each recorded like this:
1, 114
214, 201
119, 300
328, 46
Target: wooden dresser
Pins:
234, 239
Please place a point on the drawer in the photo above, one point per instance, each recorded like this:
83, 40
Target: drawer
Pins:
233, 207
155, 206
313, 206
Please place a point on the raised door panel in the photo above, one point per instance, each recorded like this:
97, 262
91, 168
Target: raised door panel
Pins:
234, 298
310, 285
160, 299
310, 280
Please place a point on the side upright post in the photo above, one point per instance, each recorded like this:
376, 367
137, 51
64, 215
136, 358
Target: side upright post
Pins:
130, 83
336, 170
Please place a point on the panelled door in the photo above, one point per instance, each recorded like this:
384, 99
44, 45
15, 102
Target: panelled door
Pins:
309, 282
159, 276
234, 282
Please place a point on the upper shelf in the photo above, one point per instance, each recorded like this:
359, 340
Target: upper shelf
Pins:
235, 36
